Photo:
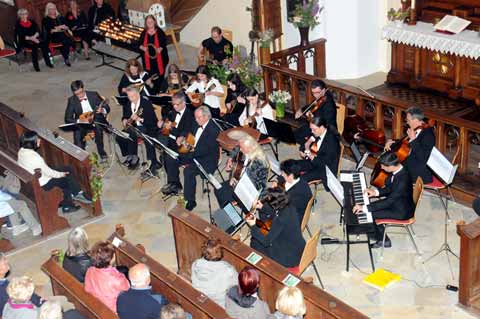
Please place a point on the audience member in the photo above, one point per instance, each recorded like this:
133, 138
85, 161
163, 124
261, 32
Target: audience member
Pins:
103, 280
290, 304
173, 311
212, 275
53, 310
476, 205
242, 301
77, 260
19, 304
138, 302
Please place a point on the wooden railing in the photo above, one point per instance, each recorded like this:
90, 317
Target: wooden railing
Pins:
385, 112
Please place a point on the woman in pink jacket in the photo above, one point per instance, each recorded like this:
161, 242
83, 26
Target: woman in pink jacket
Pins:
103, 280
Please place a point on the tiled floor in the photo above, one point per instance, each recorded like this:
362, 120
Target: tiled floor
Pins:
421, 293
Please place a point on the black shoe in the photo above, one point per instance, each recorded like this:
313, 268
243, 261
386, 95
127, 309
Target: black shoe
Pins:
87, 58
70, 209
81, 198
126, 162
67, 63
173, 189
190, 205
37, 68
50, 65
133, 165
166, 187
103, 158
378, 244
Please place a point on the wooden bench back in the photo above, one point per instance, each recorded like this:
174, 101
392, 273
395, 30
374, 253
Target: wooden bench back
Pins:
190, 231
167, 283
64, 284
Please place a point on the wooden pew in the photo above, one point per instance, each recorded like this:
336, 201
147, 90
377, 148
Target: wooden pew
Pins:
64, 284
190, 232
46, 202
54, 149
166, 282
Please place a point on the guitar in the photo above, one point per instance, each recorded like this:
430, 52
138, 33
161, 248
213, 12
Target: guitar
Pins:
197, 99
187, 145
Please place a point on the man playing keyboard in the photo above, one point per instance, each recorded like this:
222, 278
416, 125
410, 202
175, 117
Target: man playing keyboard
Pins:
398, 197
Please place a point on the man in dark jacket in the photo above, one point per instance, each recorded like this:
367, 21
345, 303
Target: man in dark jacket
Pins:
138, 302
398, 192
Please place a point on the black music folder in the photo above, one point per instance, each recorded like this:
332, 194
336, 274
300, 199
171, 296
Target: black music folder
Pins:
160, 100
281, 131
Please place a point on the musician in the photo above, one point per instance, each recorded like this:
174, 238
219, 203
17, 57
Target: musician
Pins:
235, 101
327, 109
255, 165
134, 75
397, 193
176, 80
179, 122
219, 48
284, 242
153, 44
321, 149
83, 102
98, 12
77, 22
210, 87
140, 114
256, 109
205, 151
297, 189
28, 35
421, 140
56, 31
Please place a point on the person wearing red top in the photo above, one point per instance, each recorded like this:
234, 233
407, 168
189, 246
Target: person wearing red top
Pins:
154, 52
103, 280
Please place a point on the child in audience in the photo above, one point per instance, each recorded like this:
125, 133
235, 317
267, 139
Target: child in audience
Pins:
290, 304
103, 280
19, 306
211, 275
77, 260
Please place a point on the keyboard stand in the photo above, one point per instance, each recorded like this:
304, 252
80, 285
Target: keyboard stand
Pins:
359, 242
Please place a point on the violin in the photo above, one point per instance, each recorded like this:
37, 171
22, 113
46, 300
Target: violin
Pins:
187, 145
374, 139
314, 106
312, 147
263, 225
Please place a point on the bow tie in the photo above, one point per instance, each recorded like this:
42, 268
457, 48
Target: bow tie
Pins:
84, 99
177, 113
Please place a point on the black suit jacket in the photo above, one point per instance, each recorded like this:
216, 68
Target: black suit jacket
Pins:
148, 114
398, 201
284, 242
328, 110
207, 149
187, 122
416, 162
299, 195
74, 107
327, 155
137, 304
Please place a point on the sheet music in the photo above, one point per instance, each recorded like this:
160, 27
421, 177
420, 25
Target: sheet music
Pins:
246, 192
335, 187
167, 150
441, 166
362, 161
212, 179
274, 165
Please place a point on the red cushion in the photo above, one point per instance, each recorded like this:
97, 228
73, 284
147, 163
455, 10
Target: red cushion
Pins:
395, 221
6, 53
294, 270
436, 183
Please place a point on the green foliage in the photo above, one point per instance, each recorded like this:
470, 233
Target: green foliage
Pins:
393, 15
306, 14
96, 177
250, 74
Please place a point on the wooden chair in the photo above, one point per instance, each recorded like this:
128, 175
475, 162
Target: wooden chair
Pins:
308, 257
306, 216
341, 112
408, 223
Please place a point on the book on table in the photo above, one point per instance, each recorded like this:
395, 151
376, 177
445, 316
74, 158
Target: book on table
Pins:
451, 24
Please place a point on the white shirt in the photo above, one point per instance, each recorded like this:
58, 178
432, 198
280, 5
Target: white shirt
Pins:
139, 80
86, 107
265, 112
320, 139
288, 185
134, 107
31, 160
211, 100
5, 208
179, 116
199, 132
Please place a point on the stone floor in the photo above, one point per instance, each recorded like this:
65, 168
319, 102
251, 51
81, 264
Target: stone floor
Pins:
421, 293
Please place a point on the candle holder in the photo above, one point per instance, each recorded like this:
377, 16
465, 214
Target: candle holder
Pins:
413, 17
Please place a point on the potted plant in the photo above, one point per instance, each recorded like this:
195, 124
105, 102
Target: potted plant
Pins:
265, 39
305, 17
280, 99
250, 73
398, 16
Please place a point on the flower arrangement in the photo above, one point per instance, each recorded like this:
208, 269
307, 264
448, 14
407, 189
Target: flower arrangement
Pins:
398, 15
280, 97
250, 74
265, 38
306, 14
96, 177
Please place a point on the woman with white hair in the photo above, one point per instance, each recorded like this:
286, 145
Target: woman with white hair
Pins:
56, 31
28, 35
20, 291
77, 260
53, 310
290, 304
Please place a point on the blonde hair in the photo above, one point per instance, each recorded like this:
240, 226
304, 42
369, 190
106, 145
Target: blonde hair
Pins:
290, 302
50, 310
172, 311
20, 289
49, 6
256, 152
77, 242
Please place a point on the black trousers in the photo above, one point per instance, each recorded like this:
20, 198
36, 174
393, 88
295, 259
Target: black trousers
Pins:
311, 172
67, 184
225, 194
43, 46
66, 42
382, 214
131, 147
80, 133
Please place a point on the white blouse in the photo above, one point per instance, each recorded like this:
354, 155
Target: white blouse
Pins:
211, 100
31, 160
264, 112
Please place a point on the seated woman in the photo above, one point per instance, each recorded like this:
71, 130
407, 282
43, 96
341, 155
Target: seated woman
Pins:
103, 280
134, 75
176, 80
283, 241
235, 100
77, 260
53, 310
20, 291
290, 304
76, 20
211, 275
30, 160
255, 111
28, 35
206, 90
242, 301
56, 31
255, 165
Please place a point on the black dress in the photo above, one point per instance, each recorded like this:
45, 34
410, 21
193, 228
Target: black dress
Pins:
57, 37
232, 116
28, 29
151, 64
79, 26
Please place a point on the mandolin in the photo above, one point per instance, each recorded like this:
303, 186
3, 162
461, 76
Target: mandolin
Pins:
197, 99
89, 117
187, 145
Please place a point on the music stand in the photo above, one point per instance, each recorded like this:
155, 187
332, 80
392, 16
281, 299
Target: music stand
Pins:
112, 133
70, 127
160, 100
146, 174
280, 131
210, 179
